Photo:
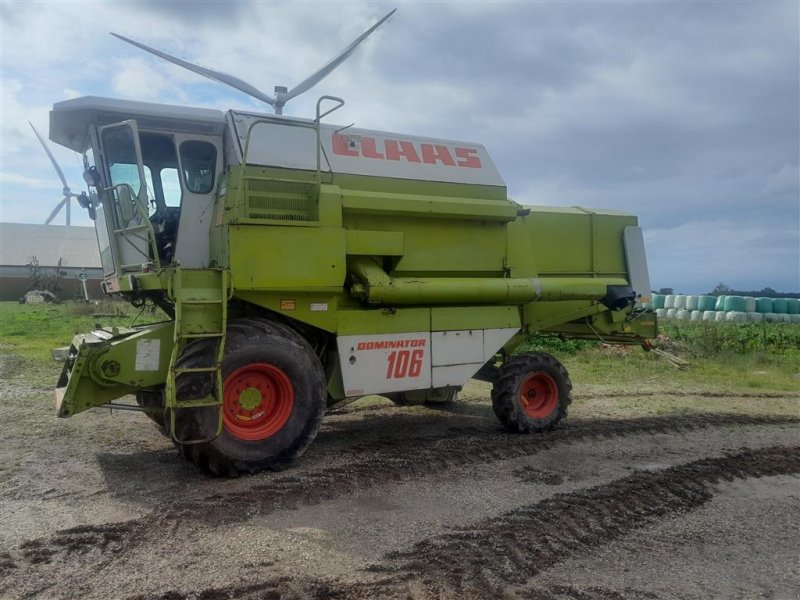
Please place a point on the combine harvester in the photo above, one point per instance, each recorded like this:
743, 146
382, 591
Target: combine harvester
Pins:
303, 264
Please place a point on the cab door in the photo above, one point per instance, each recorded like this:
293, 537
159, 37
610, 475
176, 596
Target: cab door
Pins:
125, 200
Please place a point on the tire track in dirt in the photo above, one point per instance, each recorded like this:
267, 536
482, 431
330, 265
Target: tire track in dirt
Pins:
491, 558
387, 461
481, 561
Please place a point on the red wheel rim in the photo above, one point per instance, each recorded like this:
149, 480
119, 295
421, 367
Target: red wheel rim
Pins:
258, 400
539, 395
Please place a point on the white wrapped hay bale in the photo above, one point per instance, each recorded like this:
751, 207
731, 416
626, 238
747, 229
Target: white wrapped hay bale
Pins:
785, 317
755, 317
795, 318
720, 304
680, 302
661, 313
683, 315
772, 318
719, 315
669, 301
671, 312
749, 304
736, 316
692, 302
697, 315
710, 315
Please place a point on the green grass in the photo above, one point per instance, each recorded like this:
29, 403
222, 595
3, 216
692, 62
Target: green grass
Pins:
714, 339
33, 330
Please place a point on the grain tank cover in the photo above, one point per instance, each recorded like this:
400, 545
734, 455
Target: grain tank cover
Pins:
291, 143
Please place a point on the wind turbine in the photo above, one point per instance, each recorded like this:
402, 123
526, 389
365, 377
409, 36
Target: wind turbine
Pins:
65, 190
282, 94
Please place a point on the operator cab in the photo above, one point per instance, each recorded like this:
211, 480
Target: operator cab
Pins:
154, 168
166, 177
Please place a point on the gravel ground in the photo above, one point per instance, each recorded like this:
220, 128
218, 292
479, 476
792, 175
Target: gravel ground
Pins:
402, 503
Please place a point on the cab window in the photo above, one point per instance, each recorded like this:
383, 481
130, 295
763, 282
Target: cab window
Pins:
198, 163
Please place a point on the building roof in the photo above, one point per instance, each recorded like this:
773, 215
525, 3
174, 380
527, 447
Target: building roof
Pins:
75, 246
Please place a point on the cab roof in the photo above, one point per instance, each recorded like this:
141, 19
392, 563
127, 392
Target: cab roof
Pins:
70, 119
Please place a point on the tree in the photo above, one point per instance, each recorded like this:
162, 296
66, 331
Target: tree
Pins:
666, 291
721, 290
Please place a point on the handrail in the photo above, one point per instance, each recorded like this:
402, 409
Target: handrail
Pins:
317, 122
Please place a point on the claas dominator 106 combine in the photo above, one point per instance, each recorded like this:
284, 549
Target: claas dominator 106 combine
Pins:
303, 264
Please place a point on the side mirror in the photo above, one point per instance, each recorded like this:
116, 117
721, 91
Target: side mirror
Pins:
92, 177
125, 200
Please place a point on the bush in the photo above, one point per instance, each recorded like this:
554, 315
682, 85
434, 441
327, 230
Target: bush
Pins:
708, 339
555, 345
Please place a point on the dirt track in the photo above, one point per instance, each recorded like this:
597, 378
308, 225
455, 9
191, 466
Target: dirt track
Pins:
410, 502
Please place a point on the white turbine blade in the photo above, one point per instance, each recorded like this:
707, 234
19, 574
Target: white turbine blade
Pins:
323, 72
58, 207
52, 159
219, 76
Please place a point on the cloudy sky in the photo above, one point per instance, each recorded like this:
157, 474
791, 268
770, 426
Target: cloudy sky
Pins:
683, 113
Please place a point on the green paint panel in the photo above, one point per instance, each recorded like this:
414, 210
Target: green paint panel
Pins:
575, 241
474, 317
287, 258
318, 310
412, 188
384, 321
400, 205
374, 243
435, 246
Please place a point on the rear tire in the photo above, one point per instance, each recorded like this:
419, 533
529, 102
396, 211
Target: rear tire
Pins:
274, 395
532, 393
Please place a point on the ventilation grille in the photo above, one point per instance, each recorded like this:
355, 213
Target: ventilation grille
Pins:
281, 200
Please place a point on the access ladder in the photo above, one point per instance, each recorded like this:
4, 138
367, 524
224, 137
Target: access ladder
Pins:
201, 313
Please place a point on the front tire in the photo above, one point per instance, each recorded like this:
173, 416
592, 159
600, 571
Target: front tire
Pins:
273, 400
532, 393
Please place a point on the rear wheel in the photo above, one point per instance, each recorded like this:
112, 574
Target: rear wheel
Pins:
273, 400
531, 393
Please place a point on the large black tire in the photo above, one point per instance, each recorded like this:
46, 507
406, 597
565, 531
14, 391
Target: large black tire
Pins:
258, 354
532, 393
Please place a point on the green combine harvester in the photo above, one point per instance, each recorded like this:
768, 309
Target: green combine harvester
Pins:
304, 264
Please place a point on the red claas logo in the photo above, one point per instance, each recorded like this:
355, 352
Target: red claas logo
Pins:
429, 154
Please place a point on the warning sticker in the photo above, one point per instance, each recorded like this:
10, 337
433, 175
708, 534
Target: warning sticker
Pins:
148, 353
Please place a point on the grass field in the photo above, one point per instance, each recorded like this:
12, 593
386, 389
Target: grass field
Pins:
729, 364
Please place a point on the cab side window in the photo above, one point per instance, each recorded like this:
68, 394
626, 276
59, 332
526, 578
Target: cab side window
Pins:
198, 163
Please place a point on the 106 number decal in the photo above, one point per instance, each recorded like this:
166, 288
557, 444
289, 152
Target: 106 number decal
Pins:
405, 363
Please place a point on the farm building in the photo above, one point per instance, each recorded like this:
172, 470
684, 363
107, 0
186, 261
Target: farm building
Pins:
49, 257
